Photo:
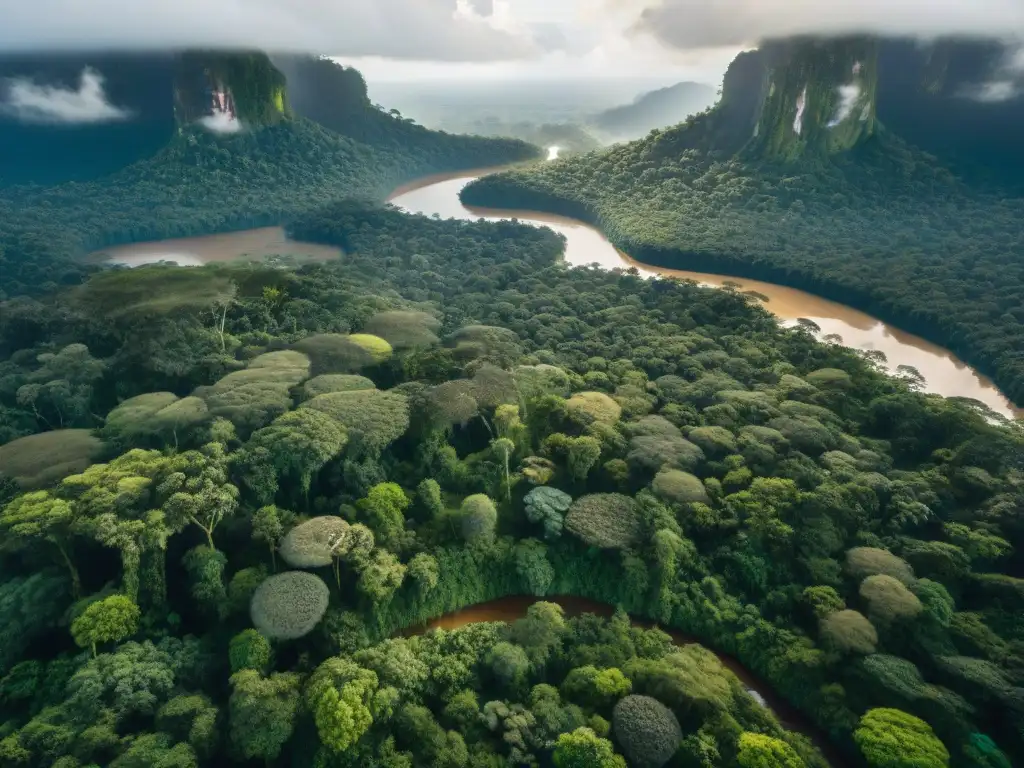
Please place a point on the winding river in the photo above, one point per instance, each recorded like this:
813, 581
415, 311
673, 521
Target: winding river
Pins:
944, 374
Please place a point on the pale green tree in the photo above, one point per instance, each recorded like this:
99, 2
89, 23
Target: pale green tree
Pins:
111, 619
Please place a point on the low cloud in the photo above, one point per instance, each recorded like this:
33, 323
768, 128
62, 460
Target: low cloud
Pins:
995, 92
444, 30
1005, 84
32, 102
709, 23
221, 122
849, 95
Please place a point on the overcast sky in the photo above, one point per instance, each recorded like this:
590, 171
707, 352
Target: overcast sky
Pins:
402, 39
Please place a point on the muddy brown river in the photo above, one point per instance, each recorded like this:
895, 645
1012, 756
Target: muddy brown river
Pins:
246, 245
944, 373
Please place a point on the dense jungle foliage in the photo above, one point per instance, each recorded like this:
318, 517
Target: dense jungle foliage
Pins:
882, 228
230, 491
202, 183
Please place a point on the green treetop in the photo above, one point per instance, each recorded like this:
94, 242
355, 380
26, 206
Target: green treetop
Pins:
111, 619
583, 748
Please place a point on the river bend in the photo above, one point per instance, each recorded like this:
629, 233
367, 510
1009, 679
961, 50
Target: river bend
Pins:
944, 373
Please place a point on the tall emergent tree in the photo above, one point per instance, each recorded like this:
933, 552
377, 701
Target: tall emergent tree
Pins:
111, 619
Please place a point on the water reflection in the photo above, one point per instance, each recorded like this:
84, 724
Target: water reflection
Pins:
944, 374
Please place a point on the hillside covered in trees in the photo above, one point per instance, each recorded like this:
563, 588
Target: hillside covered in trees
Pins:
231, 495
785, 181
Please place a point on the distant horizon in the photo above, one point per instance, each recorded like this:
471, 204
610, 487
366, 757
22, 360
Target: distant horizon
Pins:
625, 65
537, 80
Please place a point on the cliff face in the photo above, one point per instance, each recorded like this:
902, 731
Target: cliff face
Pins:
817, 97
789, 99
729, 126
337, 98
227, 88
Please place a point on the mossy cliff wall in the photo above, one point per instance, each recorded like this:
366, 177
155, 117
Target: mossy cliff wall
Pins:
245, 85
818, 97
793, 98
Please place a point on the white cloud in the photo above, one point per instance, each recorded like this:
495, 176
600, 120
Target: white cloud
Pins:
992, 92
703, 23
848, 96
39, 103
220, 122
1000, 90
579, 39
448, 30
1005, 84
396, 38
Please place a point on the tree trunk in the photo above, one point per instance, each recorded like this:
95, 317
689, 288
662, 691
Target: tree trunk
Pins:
223, 321
41, 417
154, 570
130, 567
209, 536
93, 644
76, 581
273, 558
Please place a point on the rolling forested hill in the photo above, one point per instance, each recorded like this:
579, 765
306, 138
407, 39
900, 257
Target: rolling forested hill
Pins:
653, 109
